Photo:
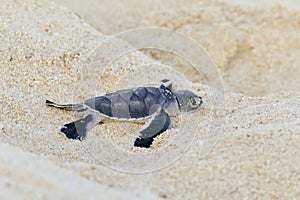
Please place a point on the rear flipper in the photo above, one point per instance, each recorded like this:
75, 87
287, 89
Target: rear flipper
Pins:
69, 107
78, 129
158, 124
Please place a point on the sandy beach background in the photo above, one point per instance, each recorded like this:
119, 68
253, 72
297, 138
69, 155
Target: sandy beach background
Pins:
255, 47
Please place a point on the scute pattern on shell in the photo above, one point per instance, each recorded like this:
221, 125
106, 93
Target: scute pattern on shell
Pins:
136, 103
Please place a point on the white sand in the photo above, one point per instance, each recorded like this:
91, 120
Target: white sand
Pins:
256, 49
255, 44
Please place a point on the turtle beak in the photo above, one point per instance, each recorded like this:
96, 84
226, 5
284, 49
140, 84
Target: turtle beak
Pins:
201, 101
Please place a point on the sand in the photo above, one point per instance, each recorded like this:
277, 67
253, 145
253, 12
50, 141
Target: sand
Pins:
255, 48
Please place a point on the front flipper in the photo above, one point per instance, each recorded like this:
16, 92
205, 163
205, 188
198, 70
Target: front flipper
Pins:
158, 123
78, 129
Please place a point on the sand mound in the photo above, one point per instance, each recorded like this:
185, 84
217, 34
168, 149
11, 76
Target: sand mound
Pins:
42, 46
254, 44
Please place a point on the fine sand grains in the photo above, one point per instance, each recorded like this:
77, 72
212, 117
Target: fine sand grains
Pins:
254, 44
46, 54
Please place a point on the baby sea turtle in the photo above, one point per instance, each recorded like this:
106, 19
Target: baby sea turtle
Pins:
153, 105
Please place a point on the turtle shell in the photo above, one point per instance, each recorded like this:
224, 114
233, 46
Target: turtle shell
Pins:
135, 103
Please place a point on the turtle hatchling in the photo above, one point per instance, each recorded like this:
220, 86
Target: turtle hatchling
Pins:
151, 105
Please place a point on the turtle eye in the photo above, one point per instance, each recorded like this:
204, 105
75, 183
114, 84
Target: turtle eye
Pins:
195, 102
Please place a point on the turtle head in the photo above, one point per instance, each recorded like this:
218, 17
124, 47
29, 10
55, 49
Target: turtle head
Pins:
187, 100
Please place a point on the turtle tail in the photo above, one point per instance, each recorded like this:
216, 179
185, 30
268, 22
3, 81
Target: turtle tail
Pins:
68, 107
